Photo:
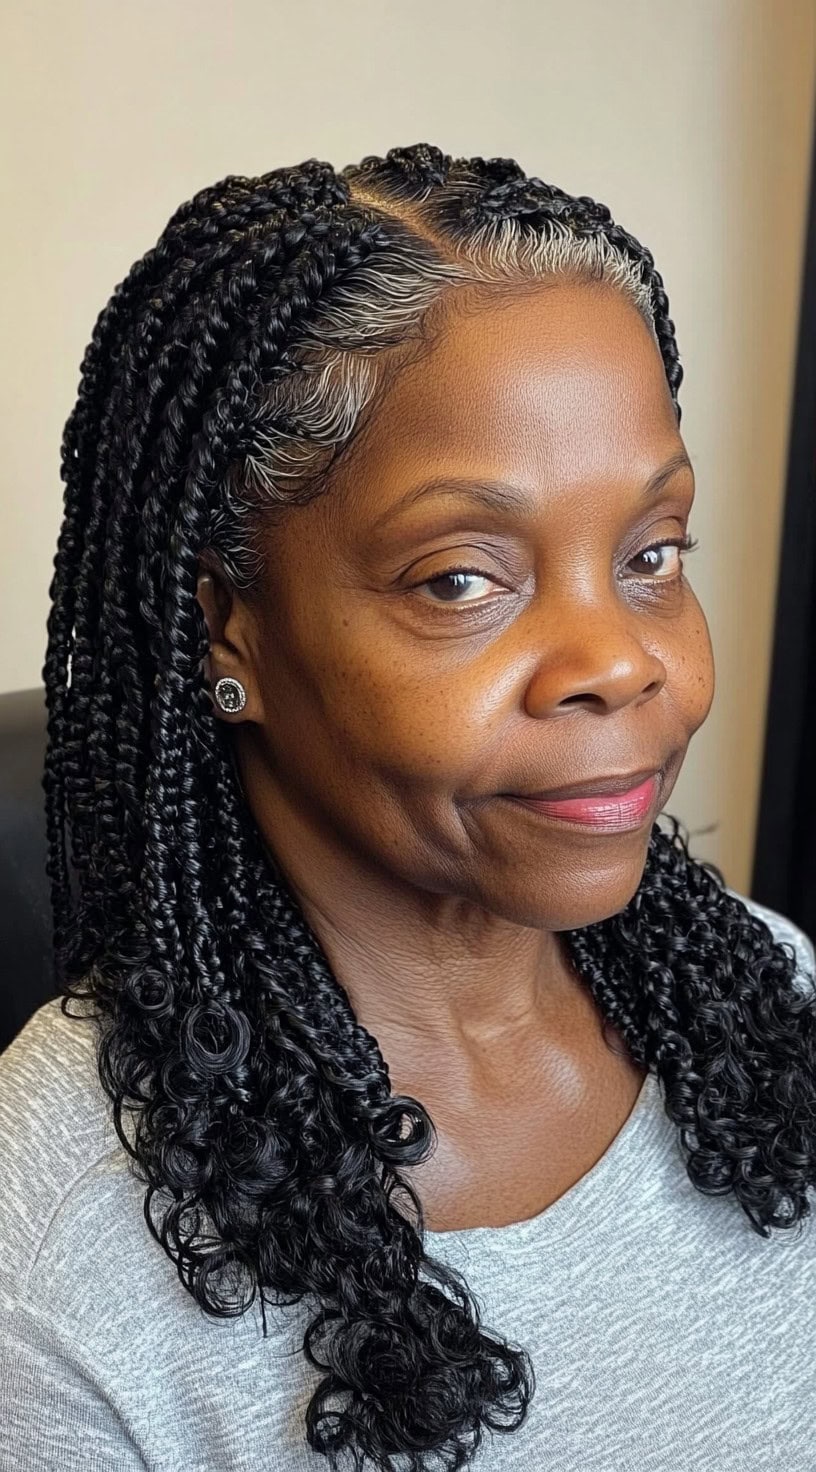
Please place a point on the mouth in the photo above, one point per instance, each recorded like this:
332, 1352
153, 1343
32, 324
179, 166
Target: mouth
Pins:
606, 804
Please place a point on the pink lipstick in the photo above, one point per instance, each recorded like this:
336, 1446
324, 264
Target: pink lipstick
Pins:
609, 812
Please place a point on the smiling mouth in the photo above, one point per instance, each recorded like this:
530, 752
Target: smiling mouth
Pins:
604, 811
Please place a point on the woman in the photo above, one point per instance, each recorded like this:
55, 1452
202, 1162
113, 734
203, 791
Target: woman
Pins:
371, 664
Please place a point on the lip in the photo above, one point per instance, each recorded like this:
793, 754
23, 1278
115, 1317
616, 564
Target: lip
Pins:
606, 812
592, 787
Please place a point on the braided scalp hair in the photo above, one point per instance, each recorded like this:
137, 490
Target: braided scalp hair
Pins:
224, 377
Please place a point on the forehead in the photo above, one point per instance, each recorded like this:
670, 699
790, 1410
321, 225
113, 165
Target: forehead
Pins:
557, 384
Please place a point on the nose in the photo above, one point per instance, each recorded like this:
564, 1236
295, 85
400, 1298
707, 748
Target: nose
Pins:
596, 657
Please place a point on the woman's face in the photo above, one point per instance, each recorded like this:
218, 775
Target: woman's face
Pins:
394, 704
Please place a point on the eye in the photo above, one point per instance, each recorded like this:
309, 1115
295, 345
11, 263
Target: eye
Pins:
453, 581
655, 560
452, 586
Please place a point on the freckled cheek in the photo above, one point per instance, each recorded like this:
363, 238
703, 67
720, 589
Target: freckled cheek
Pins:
416, 722
691, 673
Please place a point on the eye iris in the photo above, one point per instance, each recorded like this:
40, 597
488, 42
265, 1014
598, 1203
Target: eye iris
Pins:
453, 582
655, 555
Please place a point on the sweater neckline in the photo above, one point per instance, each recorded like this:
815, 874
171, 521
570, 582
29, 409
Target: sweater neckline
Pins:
644, 1138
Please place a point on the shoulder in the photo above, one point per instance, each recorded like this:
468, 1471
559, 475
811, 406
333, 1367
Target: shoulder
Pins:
56, 1132
85, 1290
786, 932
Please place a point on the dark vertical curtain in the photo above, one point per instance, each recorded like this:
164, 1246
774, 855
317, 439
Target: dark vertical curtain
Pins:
784, 874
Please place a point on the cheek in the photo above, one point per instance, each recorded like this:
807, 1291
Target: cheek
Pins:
409, 711
692, 673
418, 722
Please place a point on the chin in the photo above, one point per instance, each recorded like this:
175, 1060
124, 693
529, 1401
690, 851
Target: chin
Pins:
573, 898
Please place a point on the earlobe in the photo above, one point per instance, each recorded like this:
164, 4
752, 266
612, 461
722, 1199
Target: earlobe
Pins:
229, 694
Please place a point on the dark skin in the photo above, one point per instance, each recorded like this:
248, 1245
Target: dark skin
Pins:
386, 713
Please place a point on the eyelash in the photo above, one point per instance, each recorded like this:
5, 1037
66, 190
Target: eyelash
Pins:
684, 544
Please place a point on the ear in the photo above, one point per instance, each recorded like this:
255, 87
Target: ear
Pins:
216, 596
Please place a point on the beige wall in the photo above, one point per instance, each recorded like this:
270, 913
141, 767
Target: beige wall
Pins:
690, 118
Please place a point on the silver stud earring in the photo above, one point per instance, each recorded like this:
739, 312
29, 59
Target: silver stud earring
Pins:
230, 694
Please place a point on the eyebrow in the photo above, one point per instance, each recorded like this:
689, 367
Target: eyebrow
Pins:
500, 496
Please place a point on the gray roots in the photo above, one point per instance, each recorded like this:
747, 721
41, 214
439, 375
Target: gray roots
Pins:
331, 372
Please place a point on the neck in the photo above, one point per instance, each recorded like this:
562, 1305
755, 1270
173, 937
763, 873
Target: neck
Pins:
421, 967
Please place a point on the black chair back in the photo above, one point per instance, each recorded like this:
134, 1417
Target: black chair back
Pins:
26, 937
